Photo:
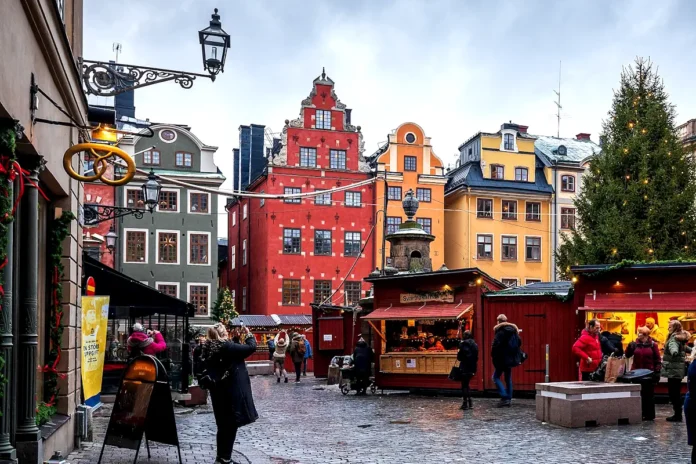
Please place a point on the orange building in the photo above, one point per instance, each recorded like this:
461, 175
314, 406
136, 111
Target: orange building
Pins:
409, 162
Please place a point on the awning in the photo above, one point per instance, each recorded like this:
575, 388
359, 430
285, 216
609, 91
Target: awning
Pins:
439, 311
685, 301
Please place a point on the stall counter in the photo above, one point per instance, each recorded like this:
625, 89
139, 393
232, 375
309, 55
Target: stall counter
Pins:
418, 362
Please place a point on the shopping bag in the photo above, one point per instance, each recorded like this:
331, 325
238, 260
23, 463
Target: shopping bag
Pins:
455, 374
615, 369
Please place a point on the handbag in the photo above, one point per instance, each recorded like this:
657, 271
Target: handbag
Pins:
523, 356
615, 369
455, 374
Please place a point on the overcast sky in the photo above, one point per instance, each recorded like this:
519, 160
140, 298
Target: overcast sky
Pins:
454, 67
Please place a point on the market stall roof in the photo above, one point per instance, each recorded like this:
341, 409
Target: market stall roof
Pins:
559, 289
124, 292
295, 319
685, 301
258, 320
436, 311
657, 265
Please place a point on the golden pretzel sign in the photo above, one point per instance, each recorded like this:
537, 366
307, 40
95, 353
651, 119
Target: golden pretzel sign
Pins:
101, 155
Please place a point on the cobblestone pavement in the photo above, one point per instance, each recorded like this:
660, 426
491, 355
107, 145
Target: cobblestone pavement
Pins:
309, 423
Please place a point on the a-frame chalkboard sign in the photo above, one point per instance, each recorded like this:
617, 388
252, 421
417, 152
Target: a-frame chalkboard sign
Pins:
143, 406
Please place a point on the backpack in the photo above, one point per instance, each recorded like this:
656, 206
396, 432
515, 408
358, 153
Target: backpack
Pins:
514, 343
301, 348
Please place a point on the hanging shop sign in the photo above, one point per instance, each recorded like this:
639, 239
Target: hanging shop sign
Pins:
95, 316
102, 155
443, 296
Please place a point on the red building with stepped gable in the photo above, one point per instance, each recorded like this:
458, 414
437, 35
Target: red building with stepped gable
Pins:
285, 254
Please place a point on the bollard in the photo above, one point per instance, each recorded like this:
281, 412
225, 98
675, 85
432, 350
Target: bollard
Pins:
57, 458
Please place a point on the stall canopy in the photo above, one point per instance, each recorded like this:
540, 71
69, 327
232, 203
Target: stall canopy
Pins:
274, 320
685, 301
419, 312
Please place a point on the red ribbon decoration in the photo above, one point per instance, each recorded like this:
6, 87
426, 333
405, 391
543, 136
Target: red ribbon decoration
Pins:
52, 369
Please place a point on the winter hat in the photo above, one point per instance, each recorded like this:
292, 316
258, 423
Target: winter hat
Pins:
297, 336
138, 327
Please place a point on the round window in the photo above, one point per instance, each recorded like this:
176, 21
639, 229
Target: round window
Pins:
410, 137
167, 135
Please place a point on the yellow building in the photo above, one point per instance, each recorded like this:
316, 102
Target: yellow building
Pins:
409, 162
498, 208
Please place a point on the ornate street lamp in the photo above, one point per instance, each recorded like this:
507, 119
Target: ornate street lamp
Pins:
151, 191
109, 79
93, 214
214, 44
111, 238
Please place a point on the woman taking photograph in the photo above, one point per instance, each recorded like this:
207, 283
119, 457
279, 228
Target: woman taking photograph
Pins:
674, 367
233, 405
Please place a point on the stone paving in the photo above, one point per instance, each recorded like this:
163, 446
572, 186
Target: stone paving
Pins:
309, 423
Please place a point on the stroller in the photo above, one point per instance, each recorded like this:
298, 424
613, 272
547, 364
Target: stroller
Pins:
348, 381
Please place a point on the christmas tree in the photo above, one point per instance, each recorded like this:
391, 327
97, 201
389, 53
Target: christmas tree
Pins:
223, 309
638, 200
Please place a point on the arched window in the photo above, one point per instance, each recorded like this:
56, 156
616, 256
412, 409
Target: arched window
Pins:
415, 254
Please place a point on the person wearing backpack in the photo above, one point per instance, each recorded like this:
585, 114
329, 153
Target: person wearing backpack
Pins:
507, 354
646, 355
297, 354
468, 360
307, 356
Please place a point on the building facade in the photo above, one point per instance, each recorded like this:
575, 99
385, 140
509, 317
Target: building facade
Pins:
687, 135
46, 38
565, 161
498, 204
174, 249
284, 254
250, 157
409, 163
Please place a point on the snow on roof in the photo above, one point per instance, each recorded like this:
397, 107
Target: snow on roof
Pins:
577, 150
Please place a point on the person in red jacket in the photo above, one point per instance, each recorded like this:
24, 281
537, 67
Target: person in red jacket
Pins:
143, 343
588, 349
646, 355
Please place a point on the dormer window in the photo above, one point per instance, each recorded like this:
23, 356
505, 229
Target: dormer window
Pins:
509, 142
568, 183
497, 172
323, 119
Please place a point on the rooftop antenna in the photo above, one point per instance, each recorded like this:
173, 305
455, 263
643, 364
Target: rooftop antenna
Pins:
118, 48
558, 103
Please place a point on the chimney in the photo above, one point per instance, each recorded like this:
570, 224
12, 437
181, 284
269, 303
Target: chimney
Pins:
582, 136
348, 115
523, 129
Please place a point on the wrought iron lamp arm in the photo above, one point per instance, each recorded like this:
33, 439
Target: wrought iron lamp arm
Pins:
95, 214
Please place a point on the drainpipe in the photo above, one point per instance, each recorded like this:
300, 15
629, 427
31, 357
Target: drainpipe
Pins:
384, 223
554, 238
248, 253
468, 221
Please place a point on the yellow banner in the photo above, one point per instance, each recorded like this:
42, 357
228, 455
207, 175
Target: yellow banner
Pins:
95, 317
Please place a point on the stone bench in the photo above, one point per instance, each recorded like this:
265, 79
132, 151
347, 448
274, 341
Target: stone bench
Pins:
259, 367
585, 404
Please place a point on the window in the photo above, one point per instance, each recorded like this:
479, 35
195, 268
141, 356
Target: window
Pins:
568, 183
169, 289
354, 199
509, 142
291, 292
533, 252
484, 246
198, 297
134, 198
167, 135
88, 163
198, 202
136, 246
567, 218
423, 194
184, 160
308, 157
322, 291
533, 211
244, 299
426, 224
168, 247
410, 137
337, 159
245, 211
393, 223
234, 218
497, 171
199, 248
322, 242
244, 252
410, 163
292, 239
394, 193
509, 282
521, 174
93, 252
323, 200
532, 281
169, 201
484, 208
353, 293
262, 201
509, 209
509, 248
151, 158
293, 191
352, 244
323, 119
233, 256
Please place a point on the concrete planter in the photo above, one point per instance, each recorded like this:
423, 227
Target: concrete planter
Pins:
198, 396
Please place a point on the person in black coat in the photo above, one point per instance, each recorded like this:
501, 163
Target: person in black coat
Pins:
507, 354
611, 344
233, 404
468, 360
362, 365
690, 409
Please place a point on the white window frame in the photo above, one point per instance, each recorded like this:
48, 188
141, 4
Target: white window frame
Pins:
514, 140
178, 246
517, 249
125, 245
234, 218
188, 296
176, 284
541, 249
233, 254
245, 211
492, 246
188, 242
125, 197
516, 279
244, 252
178, 200
210, 205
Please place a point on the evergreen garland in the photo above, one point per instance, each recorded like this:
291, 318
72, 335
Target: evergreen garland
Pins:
638, 200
